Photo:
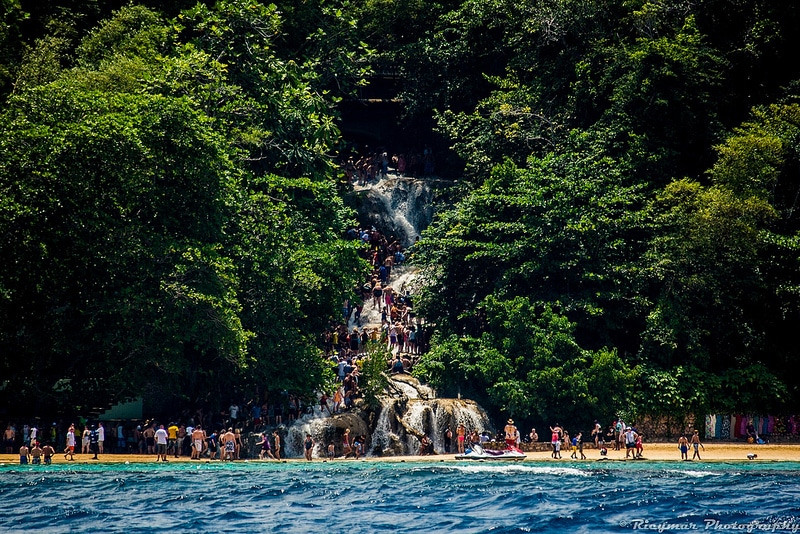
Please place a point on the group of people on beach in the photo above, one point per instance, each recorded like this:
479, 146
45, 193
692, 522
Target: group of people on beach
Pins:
37, 446
148, 438
620, 436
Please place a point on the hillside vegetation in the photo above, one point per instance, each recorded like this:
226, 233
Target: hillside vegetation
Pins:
622, 237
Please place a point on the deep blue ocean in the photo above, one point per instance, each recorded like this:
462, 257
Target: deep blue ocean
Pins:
363, 497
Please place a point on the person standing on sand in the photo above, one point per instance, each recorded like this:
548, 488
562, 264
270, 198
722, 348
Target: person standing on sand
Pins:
149, 438
24, 453
630, 442
36, 453
101, 437
277, 444
93, 442
597, 434
162, 438
683, 446
8, 439
555, 441
47, 453
229, 444
358, 445
198, 438
346, 448
511, 434
461, 436
696, 445
308, 445
70, 450
85, 440
122, 445
172, 438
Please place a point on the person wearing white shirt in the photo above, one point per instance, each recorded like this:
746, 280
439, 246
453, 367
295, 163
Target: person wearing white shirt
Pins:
101, 437
161, 444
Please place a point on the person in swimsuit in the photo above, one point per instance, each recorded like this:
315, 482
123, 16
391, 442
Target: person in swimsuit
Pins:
597, 434
229, 442
36, 454
348, 450
461, 435
277, 444
85, 440
511, 434
238, 441
47, 452
358, 445
308, 445
198, 438
683, 446
265, 449
696, 445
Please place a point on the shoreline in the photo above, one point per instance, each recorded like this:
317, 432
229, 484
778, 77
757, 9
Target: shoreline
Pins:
661, 452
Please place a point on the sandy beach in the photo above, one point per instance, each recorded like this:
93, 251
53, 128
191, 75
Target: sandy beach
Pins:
714, 452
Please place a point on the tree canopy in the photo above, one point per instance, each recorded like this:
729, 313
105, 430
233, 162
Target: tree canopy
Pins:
169, 213
613, 185
622, 237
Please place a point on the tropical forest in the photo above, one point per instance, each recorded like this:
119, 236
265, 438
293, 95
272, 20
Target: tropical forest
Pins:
616, 234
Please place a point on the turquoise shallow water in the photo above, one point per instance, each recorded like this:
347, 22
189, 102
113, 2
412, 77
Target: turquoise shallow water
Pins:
365, 497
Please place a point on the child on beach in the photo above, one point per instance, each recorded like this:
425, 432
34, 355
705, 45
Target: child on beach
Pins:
579, 437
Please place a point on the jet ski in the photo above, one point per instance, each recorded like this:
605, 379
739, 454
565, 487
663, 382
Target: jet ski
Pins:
479, 453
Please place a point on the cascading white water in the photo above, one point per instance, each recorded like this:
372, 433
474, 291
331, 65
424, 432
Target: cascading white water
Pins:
398, 206
314, 424
417, 412
408, 410
402, 279
382, 436
434, 417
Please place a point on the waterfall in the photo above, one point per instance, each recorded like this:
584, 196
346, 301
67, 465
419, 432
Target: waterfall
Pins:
314, 424
398, 206
401, 207
434, 417
403, 278
408, 411
415, 411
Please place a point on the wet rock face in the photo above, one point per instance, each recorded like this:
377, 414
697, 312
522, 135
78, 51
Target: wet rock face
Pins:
399, 207
410, 410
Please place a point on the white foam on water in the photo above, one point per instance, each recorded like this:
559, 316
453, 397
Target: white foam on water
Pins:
694, 473
503, 466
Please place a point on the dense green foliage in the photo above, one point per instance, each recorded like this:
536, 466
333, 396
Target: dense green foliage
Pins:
623, 238
616, 197
170, 221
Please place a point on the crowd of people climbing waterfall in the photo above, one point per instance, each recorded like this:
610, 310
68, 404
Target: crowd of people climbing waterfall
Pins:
228, 434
